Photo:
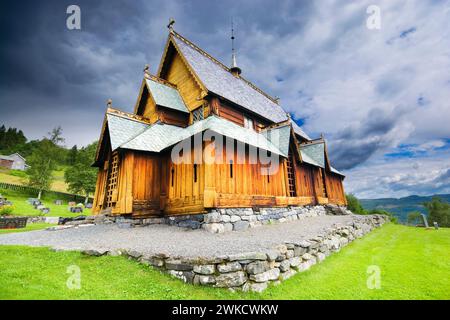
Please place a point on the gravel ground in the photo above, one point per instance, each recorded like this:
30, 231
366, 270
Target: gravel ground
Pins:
176, 241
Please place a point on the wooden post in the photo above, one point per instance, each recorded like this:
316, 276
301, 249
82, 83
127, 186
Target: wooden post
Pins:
210, 175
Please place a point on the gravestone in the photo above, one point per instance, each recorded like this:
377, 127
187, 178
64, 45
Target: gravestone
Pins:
88, 205
76, 209
72, 204
58, 202
45, 210
436, 226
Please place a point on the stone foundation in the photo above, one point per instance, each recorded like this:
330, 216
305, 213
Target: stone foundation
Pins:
238, 219
225, 220
254, 271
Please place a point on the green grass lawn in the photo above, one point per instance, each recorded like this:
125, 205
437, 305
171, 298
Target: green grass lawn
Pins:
29, 227
23, 208
414, 264
21, 178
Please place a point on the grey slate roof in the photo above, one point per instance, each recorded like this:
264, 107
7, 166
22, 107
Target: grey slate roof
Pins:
122, 129
279, 136
220, 81
314, 154
130, 134
299, 130
166, 96
127, 133
6, 158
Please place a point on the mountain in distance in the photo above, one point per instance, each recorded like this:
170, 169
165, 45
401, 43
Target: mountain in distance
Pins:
400, 207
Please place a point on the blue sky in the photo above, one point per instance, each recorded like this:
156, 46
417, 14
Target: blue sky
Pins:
381, 97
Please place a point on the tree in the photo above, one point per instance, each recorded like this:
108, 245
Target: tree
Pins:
42, 164
414, 217
72, 155
354, 205
81, 177
55, 136
438, 211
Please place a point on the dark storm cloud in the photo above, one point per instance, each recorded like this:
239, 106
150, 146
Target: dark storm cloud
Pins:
354, 145
52, 75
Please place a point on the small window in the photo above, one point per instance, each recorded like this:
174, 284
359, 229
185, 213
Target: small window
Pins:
248, 123
231, 168
195, 172
197, 114
172, 173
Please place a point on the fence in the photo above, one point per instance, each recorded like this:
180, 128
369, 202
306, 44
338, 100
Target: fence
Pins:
34, 191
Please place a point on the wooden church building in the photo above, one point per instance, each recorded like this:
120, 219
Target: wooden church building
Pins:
193, 93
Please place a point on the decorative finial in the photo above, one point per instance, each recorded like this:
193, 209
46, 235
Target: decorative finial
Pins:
171, 23
277, 100
146, 70
109, 103
235, 70
288, 115
321, 135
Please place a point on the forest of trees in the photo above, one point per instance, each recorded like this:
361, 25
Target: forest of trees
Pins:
438, 211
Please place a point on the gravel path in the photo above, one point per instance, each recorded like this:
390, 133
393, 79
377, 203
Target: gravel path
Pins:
176, 241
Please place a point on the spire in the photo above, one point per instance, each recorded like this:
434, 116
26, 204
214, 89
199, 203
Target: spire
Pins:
147, 71
170, 25
235, 70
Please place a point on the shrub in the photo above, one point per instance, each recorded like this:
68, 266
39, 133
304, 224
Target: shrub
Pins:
18, 173
354, 205
6, 210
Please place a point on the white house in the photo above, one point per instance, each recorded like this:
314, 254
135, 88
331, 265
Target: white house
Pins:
13, 161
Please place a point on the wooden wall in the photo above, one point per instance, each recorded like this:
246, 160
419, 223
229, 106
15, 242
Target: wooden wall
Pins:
146, 183
173, 117
151, 184
335, 189
236, 115
304, 181
100, 188
185, 186
179, 74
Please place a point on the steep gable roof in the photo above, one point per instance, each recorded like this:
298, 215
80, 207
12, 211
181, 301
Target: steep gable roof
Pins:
217, 78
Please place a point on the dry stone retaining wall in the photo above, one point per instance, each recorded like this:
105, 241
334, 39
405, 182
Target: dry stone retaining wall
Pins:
254, 271
225, 220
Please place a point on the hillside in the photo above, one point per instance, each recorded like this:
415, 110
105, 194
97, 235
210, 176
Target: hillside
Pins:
21, 178
400, 207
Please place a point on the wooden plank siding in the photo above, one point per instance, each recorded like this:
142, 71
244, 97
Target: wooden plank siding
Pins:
173, 117
186, 185
179, 74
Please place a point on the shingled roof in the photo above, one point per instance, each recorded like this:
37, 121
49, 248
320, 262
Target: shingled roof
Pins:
165, 95
128, 133
217, 78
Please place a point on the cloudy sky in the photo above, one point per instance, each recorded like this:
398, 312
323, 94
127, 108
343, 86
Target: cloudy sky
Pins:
380, 96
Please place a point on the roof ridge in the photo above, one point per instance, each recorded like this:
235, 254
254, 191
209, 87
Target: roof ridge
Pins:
161, 81
204, 53
126, 115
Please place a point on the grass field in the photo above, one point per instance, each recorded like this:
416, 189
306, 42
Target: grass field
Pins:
414, 264
14, 177
23, 208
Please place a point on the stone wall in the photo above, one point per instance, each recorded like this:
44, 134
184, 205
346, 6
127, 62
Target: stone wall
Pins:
225, 220
237, 219
254, 271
